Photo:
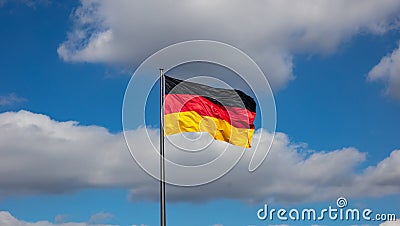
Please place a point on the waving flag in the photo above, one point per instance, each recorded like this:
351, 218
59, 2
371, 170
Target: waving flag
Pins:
226, 114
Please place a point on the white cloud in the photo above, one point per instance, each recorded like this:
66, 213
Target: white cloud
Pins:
391, 223
39, 156
61, 218
269, 31
6, 219
388, 71
10, 99
100, 217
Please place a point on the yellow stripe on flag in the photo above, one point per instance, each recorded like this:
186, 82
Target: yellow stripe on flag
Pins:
191, 121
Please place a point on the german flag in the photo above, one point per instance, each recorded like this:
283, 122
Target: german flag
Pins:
226, 114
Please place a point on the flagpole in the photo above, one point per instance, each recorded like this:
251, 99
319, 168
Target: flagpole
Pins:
162, 159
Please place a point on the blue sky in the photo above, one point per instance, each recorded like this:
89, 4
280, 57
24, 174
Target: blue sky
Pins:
334, 68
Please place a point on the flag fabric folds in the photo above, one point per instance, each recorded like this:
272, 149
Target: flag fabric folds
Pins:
226, 114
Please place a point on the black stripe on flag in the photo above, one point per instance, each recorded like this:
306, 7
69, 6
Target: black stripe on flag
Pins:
220, 96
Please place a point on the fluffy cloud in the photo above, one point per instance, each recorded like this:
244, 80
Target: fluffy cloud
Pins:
388, 71
269, 31
39, 155
100, 217
391, 223
6, 219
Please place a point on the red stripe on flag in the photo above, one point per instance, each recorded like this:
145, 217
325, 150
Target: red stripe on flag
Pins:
237, 117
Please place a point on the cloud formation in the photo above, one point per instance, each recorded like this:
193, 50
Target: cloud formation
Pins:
10, 99
39, 155
100, 217
388, 71
269, 31
391, 223
6, 219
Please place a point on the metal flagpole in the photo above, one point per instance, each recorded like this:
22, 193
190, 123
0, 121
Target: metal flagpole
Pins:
162, 159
